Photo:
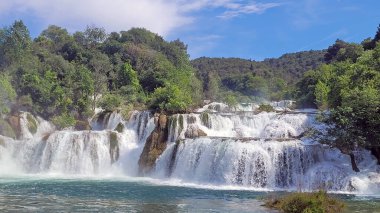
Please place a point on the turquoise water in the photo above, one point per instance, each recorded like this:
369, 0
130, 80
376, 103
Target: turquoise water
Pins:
89, 195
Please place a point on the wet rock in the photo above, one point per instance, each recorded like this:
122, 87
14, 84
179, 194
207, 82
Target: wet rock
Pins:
119, 128
82, 125
114, 147
14, 122
155, 145
193, 131
205, 119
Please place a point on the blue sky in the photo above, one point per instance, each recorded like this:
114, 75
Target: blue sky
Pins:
220, 28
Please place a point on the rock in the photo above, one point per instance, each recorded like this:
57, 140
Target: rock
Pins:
14, 122
191, 119
205, 120
155, 145
193, 131
82, 125
46, 137
6, 129
119, 128
2, 143
114, 147
201, 133
162, 121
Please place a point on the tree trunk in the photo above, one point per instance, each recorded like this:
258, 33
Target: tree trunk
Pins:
353, 163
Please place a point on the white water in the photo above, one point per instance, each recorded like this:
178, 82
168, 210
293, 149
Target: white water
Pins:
263, 125
70, 152
241, 150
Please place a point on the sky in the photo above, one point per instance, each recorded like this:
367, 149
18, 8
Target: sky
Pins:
220, 28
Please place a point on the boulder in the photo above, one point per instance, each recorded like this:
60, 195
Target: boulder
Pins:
193, 131
119, 128
82, 125
155, 145
14, 122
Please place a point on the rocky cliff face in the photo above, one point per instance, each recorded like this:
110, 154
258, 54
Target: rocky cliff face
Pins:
155, 145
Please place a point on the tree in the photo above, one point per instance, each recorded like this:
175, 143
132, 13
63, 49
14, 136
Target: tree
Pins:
321, 95
100, 67
213, 86
7, 94
15, 42
94, 36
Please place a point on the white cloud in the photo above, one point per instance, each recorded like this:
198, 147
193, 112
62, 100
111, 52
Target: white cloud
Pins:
256, 8
160, 16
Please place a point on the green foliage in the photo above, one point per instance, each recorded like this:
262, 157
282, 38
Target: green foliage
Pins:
6, 129
231, 100
110, 102
265, 108
7, 94
305, 202
321, 95
63, 121
170, 98
32, 123
350, 88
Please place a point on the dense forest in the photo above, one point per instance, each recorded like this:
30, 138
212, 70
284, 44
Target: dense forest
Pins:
272, 78
63, 77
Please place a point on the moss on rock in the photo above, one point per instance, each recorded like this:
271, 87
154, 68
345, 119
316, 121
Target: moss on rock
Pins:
205, 119
114, 147
82, 125
6, 129
119, 128
32, 123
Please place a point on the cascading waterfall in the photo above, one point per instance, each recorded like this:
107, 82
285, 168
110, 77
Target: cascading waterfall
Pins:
71, 152
244, 149
260, 151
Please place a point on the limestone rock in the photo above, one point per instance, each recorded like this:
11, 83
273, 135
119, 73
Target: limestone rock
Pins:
155, 145
14, 122
193, 131
114, 147
82, 125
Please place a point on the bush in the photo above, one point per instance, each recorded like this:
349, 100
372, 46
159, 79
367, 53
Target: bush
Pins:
265, 108
110, 102
63, 121
306, 202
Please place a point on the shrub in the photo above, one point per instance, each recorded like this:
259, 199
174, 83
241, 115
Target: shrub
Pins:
265, 108
306, 202
63, 121
110, 102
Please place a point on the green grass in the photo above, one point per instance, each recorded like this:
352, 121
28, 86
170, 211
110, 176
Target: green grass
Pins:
306, 202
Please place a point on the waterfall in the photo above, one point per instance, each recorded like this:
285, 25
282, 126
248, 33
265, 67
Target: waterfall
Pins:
263, 125
209, 147
259, 164
68, 152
